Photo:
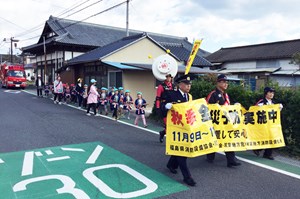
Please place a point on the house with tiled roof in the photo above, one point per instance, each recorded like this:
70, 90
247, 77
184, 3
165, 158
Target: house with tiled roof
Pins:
260, 63
126, 63
66, 39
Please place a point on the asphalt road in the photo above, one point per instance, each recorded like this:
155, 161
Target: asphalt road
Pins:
28, 122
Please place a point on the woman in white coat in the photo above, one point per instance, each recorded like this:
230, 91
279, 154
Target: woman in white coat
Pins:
92, 97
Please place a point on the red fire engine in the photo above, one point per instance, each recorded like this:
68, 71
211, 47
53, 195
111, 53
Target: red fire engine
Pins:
12, 76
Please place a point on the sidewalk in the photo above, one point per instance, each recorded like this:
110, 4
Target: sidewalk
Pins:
281, 162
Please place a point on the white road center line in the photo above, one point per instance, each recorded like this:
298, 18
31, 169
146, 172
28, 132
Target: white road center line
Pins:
58, 158
72, 149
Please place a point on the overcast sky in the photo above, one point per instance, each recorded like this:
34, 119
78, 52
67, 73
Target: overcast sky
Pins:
221, 23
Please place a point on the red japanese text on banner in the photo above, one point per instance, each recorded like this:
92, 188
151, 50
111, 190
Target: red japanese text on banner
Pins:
190, 131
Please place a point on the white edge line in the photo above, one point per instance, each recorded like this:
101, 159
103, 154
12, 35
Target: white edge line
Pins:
28, 92
126, 123
94, 156
240, 158
58, 158
142, 128
270, 168
1, 161
27, 168
72, 149
266, 166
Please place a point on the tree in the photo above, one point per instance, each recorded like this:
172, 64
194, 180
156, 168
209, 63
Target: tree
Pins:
296, 59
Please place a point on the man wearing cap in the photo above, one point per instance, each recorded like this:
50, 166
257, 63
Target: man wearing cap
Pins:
179, 96
219, 96
267, 100
164, 87
39, 86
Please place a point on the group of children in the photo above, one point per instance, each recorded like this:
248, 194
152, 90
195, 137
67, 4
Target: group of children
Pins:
117, 101
68, 95
120, 103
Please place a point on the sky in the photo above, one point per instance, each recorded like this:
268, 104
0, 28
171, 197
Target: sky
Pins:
220, 23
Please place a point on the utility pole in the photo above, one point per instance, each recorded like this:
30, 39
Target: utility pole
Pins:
11, 48
45, 69
127, 18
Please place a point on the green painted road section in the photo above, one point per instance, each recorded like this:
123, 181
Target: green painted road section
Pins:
88, 170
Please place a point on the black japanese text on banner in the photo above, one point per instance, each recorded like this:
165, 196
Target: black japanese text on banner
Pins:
190, 131
229, 127
263, 127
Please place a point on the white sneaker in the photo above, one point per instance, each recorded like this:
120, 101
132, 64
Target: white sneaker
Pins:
59, 103
88, 114
97, 115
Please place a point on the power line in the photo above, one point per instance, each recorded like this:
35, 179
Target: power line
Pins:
76, 22
108, 9
70, 9
12, 23
84, 8
41, 25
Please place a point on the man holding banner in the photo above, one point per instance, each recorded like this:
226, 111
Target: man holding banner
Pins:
219, 96
267, 100
179, 96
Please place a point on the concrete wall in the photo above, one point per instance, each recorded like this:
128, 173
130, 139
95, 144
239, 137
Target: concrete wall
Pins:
142, 81
285, 65
237, 65
29, 71
286, 81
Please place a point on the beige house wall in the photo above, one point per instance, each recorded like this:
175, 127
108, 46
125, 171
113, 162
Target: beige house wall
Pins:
136, 80
137, 53
142, 81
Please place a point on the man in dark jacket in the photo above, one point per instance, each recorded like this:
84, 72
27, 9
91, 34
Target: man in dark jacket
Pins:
179, 96
39, 86
219, 96
79, 91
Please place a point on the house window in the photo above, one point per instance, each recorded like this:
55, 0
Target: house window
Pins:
267, 64
115, 79
89, 69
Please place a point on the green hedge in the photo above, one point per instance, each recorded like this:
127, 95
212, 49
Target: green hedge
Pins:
288, 97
